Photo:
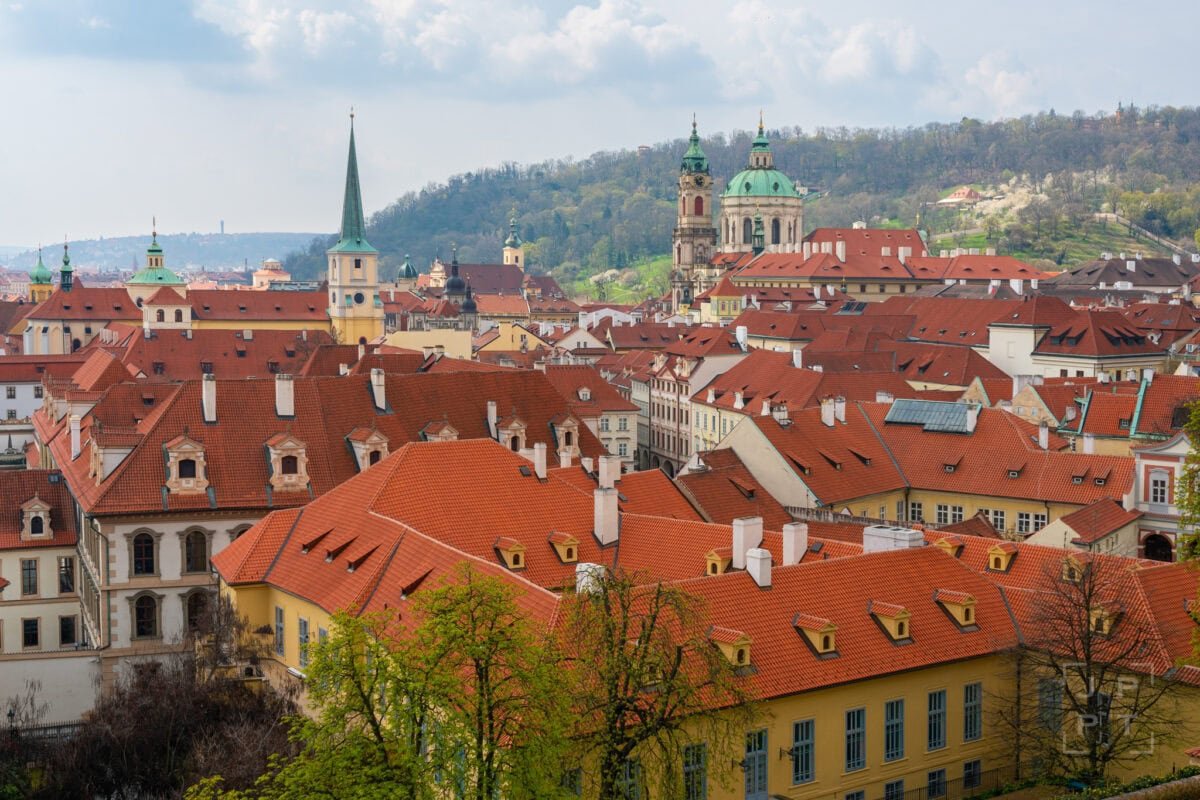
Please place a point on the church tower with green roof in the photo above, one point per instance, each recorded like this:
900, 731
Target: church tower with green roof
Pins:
41, 281
148, 280
695, 239
355, 307
762, 189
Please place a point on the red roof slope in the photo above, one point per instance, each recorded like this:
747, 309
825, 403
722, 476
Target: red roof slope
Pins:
725, 490
20, 486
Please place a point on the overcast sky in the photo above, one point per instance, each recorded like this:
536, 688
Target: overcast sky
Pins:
203, 110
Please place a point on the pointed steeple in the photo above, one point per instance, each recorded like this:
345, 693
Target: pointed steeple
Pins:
66, 275
354, 226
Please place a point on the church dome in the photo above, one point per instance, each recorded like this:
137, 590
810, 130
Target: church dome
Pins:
40, 274
760, 183
407, 270
468, 305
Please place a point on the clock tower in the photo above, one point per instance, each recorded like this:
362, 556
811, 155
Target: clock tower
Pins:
695, 239
355, 307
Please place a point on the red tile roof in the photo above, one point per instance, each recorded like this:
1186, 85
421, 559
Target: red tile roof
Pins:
1097, 334
184, 355
257, 306
569, 380
17, 487
725, 490
31, 369
1098, 520
87, 303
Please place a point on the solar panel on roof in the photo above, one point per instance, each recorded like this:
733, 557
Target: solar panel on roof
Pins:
932, 415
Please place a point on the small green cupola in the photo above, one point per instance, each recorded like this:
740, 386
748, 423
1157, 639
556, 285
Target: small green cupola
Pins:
407, 271
514, 237
66, 275
155, 273
40, 275
694, 160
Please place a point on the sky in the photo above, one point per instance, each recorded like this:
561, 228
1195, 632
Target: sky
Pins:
195, 111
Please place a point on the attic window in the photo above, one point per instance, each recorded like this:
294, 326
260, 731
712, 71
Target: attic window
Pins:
894, 619
565, 546
1123, 423
1000, 557
511, 552
950, 467
1100, 481
734, 645
820, 634
585, 394
717, 561
1072, 571
960, 607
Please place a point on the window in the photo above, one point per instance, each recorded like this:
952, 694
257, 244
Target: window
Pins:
302, 628
1050, 703
66, 574
178, 315
11, 413
695, 771
858, 794
998, 519
29, 576
893, 790
160, 316
289, 465
38, 391
278, 631
629, 780
206, 367
916, 512
143, 554
699, 206
936, 738
1158, 487
374, 457
145, 617
1039, 522
604, 425
195, 607
972, 712
956, 514
195, 552
856, 736
943, 514
802, 751
936, 784
31, 633
37, 526
755, 764
572, 782
972, 774
10, 392
66, 631
1024, 522
187, 468
893, 730
622, 449
622, 423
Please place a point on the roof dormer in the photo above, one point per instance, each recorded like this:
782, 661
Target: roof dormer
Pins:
566, 546
511, 552
288, 463
717, 560
893, 619
734, 645
820, 634
960, 607
35, 519
369, 446
186, 469
584, 394
1000, 556
1073, 569
440, 431
1102, 618
950, 545
566, 431
510, 432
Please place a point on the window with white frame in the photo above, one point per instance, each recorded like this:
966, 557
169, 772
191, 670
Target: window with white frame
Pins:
1159, 491
1024, 522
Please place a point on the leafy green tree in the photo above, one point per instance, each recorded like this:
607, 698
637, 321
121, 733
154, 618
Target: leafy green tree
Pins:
1187, 491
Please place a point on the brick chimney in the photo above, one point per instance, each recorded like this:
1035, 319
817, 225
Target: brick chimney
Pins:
747, 534
539, 460
379, 389
795, 542
208, 398
606, 523
285, 396
758, 564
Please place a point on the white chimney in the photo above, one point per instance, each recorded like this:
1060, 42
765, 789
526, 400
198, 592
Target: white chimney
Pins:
972, 417
588, 577
795, 542
492, 418
146, 329
766, 407
76, 445
739, 400
841, 250
806, 250
586, 463
747, 534
285, 396
208, 398
564, 459
362, 351
1089, 444
877, 538
741, 332
427, 350
248, 334
885, 251
758, 564
839, 408
798, 358
884, 397
1043, 436
1130, 265
827, 412
610, 471
1178, 259
539, 460
379, 389
1148, 374
606, 520
1069, 413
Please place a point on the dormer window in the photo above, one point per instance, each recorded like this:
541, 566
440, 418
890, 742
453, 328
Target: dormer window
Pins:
35, 519
585, 394
511, 432
1101, 620
567, 431
512, 552
734, 645
288, 463
819, 633
893, 619
959, 606
1072, 570
1000, 557
565, 546
186, 473
950, 545
717, 560
369, 446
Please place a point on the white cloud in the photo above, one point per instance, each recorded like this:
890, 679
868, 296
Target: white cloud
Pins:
1005, 85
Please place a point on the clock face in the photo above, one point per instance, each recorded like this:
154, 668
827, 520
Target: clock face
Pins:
699, 180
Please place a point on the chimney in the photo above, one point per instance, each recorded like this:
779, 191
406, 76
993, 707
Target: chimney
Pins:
564, 459
747, 534
766, 407
1130, 265
758, 564
795, 542
1069, 413
586, 463
877, 538
798, 358
285, 396
146, 330
610, 471
739, 400
841, 250
248, 334
343, 369
606, 521
1178, 259
362, 351
76, 445
492, 418
427, 351
588, 577
903, 253
1043, 436
884, 397
972, 417
827, 412
780, 412
1148, 375
885, 251
741, 332
839, 409
379, 389
1089, 444
208, 398
539, 460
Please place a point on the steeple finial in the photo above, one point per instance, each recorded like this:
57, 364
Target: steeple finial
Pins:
760, 122
693, 122
154, 230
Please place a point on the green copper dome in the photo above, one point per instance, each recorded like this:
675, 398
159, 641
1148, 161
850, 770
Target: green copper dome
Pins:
760, 183
407, 270
694, 159
514, 238
159, 276
40, 275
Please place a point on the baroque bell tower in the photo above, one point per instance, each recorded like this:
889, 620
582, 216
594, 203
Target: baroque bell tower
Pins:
695, 239
355, 307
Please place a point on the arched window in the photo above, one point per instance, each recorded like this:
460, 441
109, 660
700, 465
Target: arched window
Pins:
143, 554
75, 345
375, 456
187, 468
145, 617
514, 444
699, 206
775, 231
160, 315
567, 437
195, 552
289, 465
179, 315
197, 607
36, 526
825, 643
747, 231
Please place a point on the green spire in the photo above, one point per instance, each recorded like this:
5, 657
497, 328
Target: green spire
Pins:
694, 159
354, 227
154, 249
760, 142
41, 276
514, 238
66, 275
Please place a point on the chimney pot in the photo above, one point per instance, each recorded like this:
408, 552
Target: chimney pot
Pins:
1044, 436
208, 398
76, 445
606, 523
827, 412
795, 542
758, 564
362, 351
564, 459
285, 395
379, 389
610, 471
747, 534
839, 408
539, 460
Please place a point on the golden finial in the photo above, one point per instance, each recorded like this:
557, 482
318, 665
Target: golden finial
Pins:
760, 121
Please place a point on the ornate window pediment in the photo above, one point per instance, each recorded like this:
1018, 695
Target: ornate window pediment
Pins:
566, 429
186, 468
288, 462
369, 446
35, 519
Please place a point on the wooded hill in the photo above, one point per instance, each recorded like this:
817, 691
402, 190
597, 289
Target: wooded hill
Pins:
617, 208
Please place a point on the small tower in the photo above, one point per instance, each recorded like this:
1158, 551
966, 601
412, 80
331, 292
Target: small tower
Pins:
41, 281
468, 312
406, 276
695, 239
514, 248
355, 307
66, 275
455, 289
147, 281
